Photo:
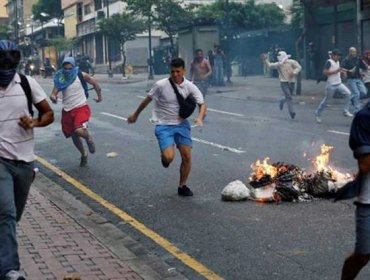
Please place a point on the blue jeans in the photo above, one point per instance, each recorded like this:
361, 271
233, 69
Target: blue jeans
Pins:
15, 181
358, 89
329, 91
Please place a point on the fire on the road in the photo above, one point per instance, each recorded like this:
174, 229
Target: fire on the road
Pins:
289, 182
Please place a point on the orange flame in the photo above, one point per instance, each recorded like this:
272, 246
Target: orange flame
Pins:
321, 164
263, 168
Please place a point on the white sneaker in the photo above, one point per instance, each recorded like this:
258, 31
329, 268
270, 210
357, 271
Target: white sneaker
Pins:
347, 114
318, 119
14, 275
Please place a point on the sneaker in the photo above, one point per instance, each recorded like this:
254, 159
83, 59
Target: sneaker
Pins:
347, 114
91, 145
281, 105
83, 161
184, 191
318, 119
165, 164
292, 115
14, 275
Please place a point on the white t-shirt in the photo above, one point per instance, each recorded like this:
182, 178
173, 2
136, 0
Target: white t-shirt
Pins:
166, 107
74, 96
333, 79
16, 143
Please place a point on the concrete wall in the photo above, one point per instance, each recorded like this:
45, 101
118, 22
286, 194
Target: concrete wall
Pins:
70, 22
199, 37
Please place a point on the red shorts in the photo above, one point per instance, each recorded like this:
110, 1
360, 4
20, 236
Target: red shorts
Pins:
75, 119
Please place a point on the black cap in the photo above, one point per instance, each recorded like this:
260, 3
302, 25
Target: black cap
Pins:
336, 52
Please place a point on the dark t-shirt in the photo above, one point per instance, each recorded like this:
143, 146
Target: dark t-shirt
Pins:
359, 139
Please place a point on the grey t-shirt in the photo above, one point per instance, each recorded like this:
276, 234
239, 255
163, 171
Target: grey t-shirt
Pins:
166, 106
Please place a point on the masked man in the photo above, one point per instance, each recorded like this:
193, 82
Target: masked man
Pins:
17, 94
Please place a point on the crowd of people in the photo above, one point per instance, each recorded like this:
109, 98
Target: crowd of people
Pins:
19, 92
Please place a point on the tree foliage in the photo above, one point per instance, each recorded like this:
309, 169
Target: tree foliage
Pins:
50, 7
61, 43
242, 16
121, 28
169, 16
297, 11
166, 15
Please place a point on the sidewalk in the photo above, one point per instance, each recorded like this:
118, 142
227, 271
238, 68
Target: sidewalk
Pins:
59, 236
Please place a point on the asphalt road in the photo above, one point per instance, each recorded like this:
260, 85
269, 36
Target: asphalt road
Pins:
242, 240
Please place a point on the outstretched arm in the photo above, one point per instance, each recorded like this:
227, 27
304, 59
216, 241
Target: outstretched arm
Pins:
133, 117
54, 95
202, 113
92, 81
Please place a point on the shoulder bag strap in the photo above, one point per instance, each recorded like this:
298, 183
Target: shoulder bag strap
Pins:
180, 98
27, 90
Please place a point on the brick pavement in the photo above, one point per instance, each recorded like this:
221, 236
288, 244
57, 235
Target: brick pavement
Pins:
53, 245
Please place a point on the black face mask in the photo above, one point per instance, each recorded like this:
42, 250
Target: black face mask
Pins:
9, 59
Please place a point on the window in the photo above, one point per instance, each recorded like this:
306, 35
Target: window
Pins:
87, 9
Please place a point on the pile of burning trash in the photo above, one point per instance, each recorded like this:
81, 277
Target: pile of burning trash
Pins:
286, 182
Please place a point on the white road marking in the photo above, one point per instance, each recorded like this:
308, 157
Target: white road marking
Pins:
113, 116
140, 96
225, 148
105, 89
339, 132
224, 112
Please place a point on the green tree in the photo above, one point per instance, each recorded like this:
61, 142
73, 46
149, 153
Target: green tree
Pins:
121, 28
297, 11
4, 31
61, 43
45, 10
242, 16
169, 16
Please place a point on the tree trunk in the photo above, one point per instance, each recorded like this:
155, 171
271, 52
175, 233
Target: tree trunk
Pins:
123, 52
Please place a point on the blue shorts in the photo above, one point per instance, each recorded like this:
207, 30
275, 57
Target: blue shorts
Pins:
168, 135
362, 230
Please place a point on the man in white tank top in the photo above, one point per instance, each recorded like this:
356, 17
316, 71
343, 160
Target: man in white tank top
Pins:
334, 83
76, 112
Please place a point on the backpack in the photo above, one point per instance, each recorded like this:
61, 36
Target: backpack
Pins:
83, 83
27, 90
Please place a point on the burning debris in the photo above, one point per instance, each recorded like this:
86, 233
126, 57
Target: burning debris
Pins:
286, 182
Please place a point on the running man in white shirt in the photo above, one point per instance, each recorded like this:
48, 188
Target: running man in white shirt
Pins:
170, 128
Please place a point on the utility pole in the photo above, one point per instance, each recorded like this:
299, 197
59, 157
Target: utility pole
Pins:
150, 59
107, 47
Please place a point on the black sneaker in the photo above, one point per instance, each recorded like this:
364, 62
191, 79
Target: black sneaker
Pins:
165, 164
83, 161
292, 115
184, 191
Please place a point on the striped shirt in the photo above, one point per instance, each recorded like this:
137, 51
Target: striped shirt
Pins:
17, 143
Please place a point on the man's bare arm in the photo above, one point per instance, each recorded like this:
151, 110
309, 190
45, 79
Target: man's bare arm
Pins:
133, 117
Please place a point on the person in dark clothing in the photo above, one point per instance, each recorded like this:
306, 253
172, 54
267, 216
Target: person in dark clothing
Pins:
352, 64
359, 142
